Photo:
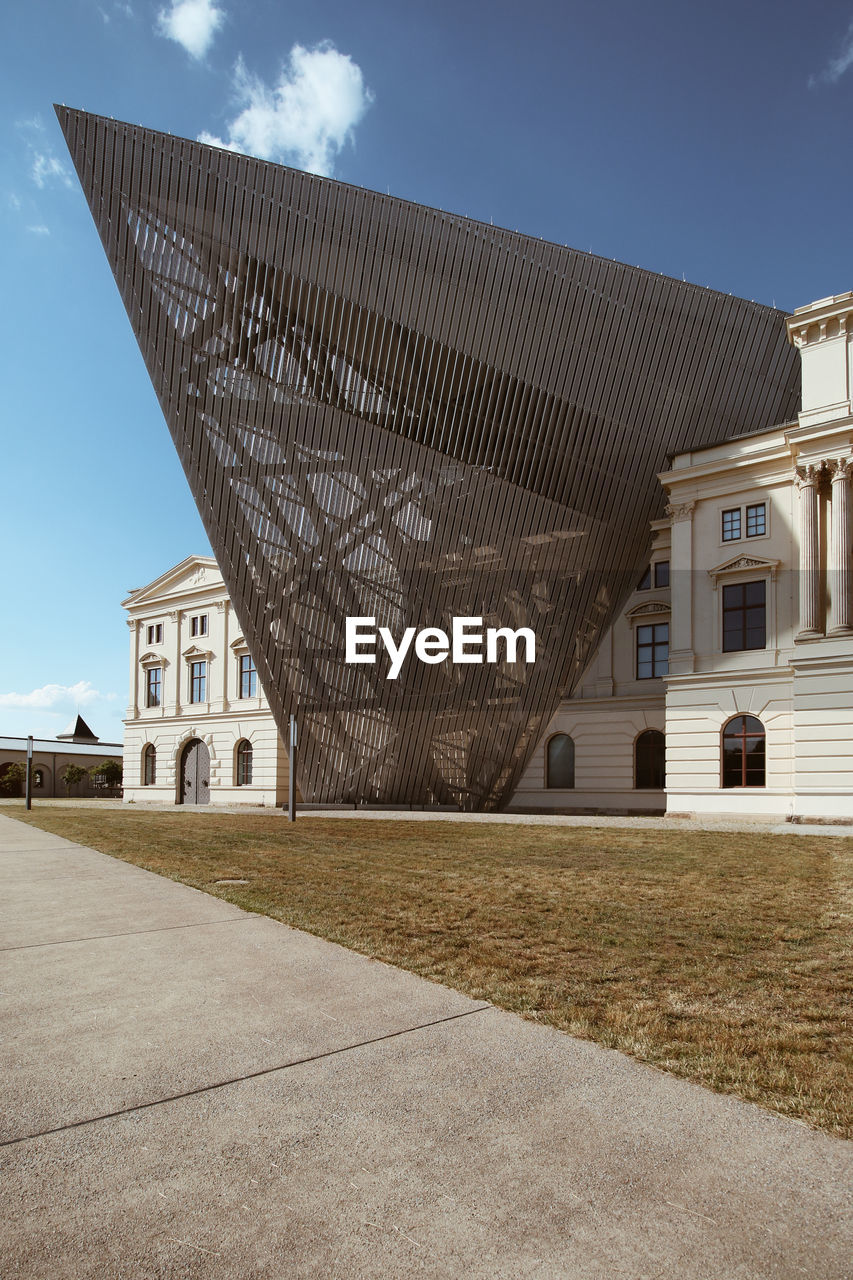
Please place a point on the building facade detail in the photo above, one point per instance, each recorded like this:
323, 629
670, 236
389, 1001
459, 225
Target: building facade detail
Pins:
360, 443
757, 701
190, 738
839, 549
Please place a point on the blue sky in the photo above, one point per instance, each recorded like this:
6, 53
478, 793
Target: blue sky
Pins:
710, 142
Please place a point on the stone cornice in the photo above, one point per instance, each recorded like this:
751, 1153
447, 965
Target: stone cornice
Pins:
728, 475
732, 676
822, 320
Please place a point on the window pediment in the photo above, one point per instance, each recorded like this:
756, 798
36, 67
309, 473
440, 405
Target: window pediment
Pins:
239, 645
194, 654
649, 609
743, 564
153, 660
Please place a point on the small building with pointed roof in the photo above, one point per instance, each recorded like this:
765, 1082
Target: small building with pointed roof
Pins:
77, 731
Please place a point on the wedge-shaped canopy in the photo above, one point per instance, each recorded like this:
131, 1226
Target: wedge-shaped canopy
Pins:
388, 411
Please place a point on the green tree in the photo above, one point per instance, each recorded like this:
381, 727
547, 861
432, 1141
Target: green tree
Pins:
71, 775
107, 774
13, 778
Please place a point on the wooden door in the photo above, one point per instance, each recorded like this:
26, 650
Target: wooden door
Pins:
195, 773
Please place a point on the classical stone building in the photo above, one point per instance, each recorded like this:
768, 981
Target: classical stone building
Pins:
726, 684
198, 726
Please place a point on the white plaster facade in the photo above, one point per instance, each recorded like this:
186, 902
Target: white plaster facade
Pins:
165, 643
785, 494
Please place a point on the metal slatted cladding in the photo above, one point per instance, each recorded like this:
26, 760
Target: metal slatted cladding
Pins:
384, 410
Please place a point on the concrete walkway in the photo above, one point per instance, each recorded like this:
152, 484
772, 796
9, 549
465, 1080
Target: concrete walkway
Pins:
193, 1091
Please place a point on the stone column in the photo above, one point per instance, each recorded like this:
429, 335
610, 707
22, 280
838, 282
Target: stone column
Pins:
177, 616
839, 550
133, 704
807, 479
681, 654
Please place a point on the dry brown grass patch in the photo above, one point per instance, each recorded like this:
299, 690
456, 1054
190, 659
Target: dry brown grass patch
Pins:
721, 957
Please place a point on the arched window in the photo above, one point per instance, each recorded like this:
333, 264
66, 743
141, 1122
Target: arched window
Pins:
244, 763
560, 761
650, 761
149, 765
743, 752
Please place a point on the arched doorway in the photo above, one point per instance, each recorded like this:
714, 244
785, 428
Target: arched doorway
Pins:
195, 773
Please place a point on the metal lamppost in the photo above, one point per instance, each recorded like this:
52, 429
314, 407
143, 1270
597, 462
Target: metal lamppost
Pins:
29, 786
291, 802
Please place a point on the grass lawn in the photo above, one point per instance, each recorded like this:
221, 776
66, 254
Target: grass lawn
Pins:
721, 957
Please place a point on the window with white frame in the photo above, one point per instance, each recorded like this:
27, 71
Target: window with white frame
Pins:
756, 520
657, 575
244, 763
153, 686
652, 650
748, 521
731, 525
198, 624
744, 616
248, 677
744, 752
198, 682
155, 633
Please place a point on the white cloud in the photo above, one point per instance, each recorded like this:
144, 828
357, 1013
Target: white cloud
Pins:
81, 694
307, 117
39, 229
191, 23
46, 167
14, 202
122, 9
836, 66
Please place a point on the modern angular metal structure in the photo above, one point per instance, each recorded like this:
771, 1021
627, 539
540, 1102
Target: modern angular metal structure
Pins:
385, 410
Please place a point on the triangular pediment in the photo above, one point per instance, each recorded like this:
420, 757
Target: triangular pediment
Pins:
194, 652
744, 563
196, 573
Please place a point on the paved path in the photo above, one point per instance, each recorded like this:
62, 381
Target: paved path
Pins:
190, 1091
